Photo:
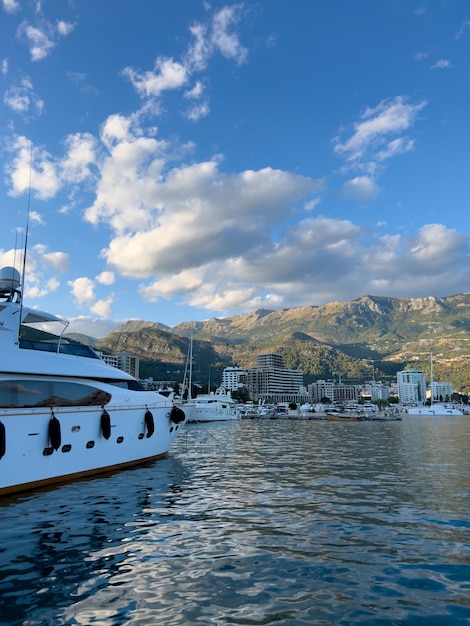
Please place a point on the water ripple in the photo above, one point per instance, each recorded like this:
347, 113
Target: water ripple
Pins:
251, 523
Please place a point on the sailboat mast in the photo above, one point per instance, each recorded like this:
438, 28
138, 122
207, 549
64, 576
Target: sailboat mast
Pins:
432, 380
190, 367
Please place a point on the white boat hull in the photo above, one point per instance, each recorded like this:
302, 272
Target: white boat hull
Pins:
28, 443
435, 410
202, 413
64, 412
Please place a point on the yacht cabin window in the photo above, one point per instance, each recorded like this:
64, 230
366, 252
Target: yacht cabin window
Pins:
22, 393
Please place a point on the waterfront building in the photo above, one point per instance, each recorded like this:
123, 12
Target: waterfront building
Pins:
378, 391
272, 382
335, 392
345, 393
321, 389
411, 386
441, 392
124, 361
233, 378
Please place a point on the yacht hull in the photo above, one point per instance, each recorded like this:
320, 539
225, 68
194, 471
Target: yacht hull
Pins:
44, 446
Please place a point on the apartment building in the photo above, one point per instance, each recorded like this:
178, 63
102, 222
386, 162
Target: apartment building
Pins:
411, 386
271, 381
123, 361
233, 378
335, 392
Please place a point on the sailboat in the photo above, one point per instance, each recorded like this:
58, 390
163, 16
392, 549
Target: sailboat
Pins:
206, 407
434, 409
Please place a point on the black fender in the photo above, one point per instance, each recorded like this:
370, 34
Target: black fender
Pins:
55, 436
105, 424
149, 423
3, 440
177, 415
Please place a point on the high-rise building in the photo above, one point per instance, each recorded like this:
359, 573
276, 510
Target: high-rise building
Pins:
123, 361
335, 392
233, 378
411, 386
271, 381
441, 392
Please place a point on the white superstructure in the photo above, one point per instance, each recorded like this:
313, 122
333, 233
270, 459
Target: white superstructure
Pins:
65, 413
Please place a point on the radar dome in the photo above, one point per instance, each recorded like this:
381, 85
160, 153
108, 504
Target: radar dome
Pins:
9, 279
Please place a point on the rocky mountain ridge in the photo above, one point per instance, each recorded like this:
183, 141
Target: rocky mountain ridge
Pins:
371, 335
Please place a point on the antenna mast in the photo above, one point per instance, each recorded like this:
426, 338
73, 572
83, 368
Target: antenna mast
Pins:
25, 241
27, 216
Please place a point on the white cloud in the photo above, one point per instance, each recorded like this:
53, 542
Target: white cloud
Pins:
462, 28
36, 217
390, 117
168, 74
38, 291
4, 69
191, 213
64, 28
82, 290
20, 98
40, 171
92, 327
217, 35
36, 167
41, 38
80, 156
311, 204
39, 42
441, 64
11, 6
57, 260
197, 111
42, 265
199, 51
361, 188
103, 307
195, 92
394, 148
228, 42
106, 278
318, 261
116, 128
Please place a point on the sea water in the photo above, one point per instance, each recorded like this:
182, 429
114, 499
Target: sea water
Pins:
253, 522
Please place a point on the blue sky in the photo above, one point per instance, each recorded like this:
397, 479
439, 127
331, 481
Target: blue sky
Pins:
194, 160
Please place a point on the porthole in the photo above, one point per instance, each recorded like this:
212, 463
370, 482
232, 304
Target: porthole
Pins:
90, 444
67, 447
120, 439
47, 451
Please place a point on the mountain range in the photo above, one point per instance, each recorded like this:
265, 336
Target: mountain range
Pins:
368, 337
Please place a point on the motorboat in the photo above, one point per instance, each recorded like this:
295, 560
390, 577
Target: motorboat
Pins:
335, 415
64, 412
218, 406
206, 407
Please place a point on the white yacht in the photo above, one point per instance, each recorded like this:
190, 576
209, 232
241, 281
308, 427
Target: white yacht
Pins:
212, 407
436, 410
65, 413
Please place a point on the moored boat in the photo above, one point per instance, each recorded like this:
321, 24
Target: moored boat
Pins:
65, 413
435, 410
345, 416
212, 407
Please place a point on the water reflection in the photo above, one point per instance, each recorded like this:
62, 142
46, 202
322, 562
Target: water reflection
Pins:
254, 522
